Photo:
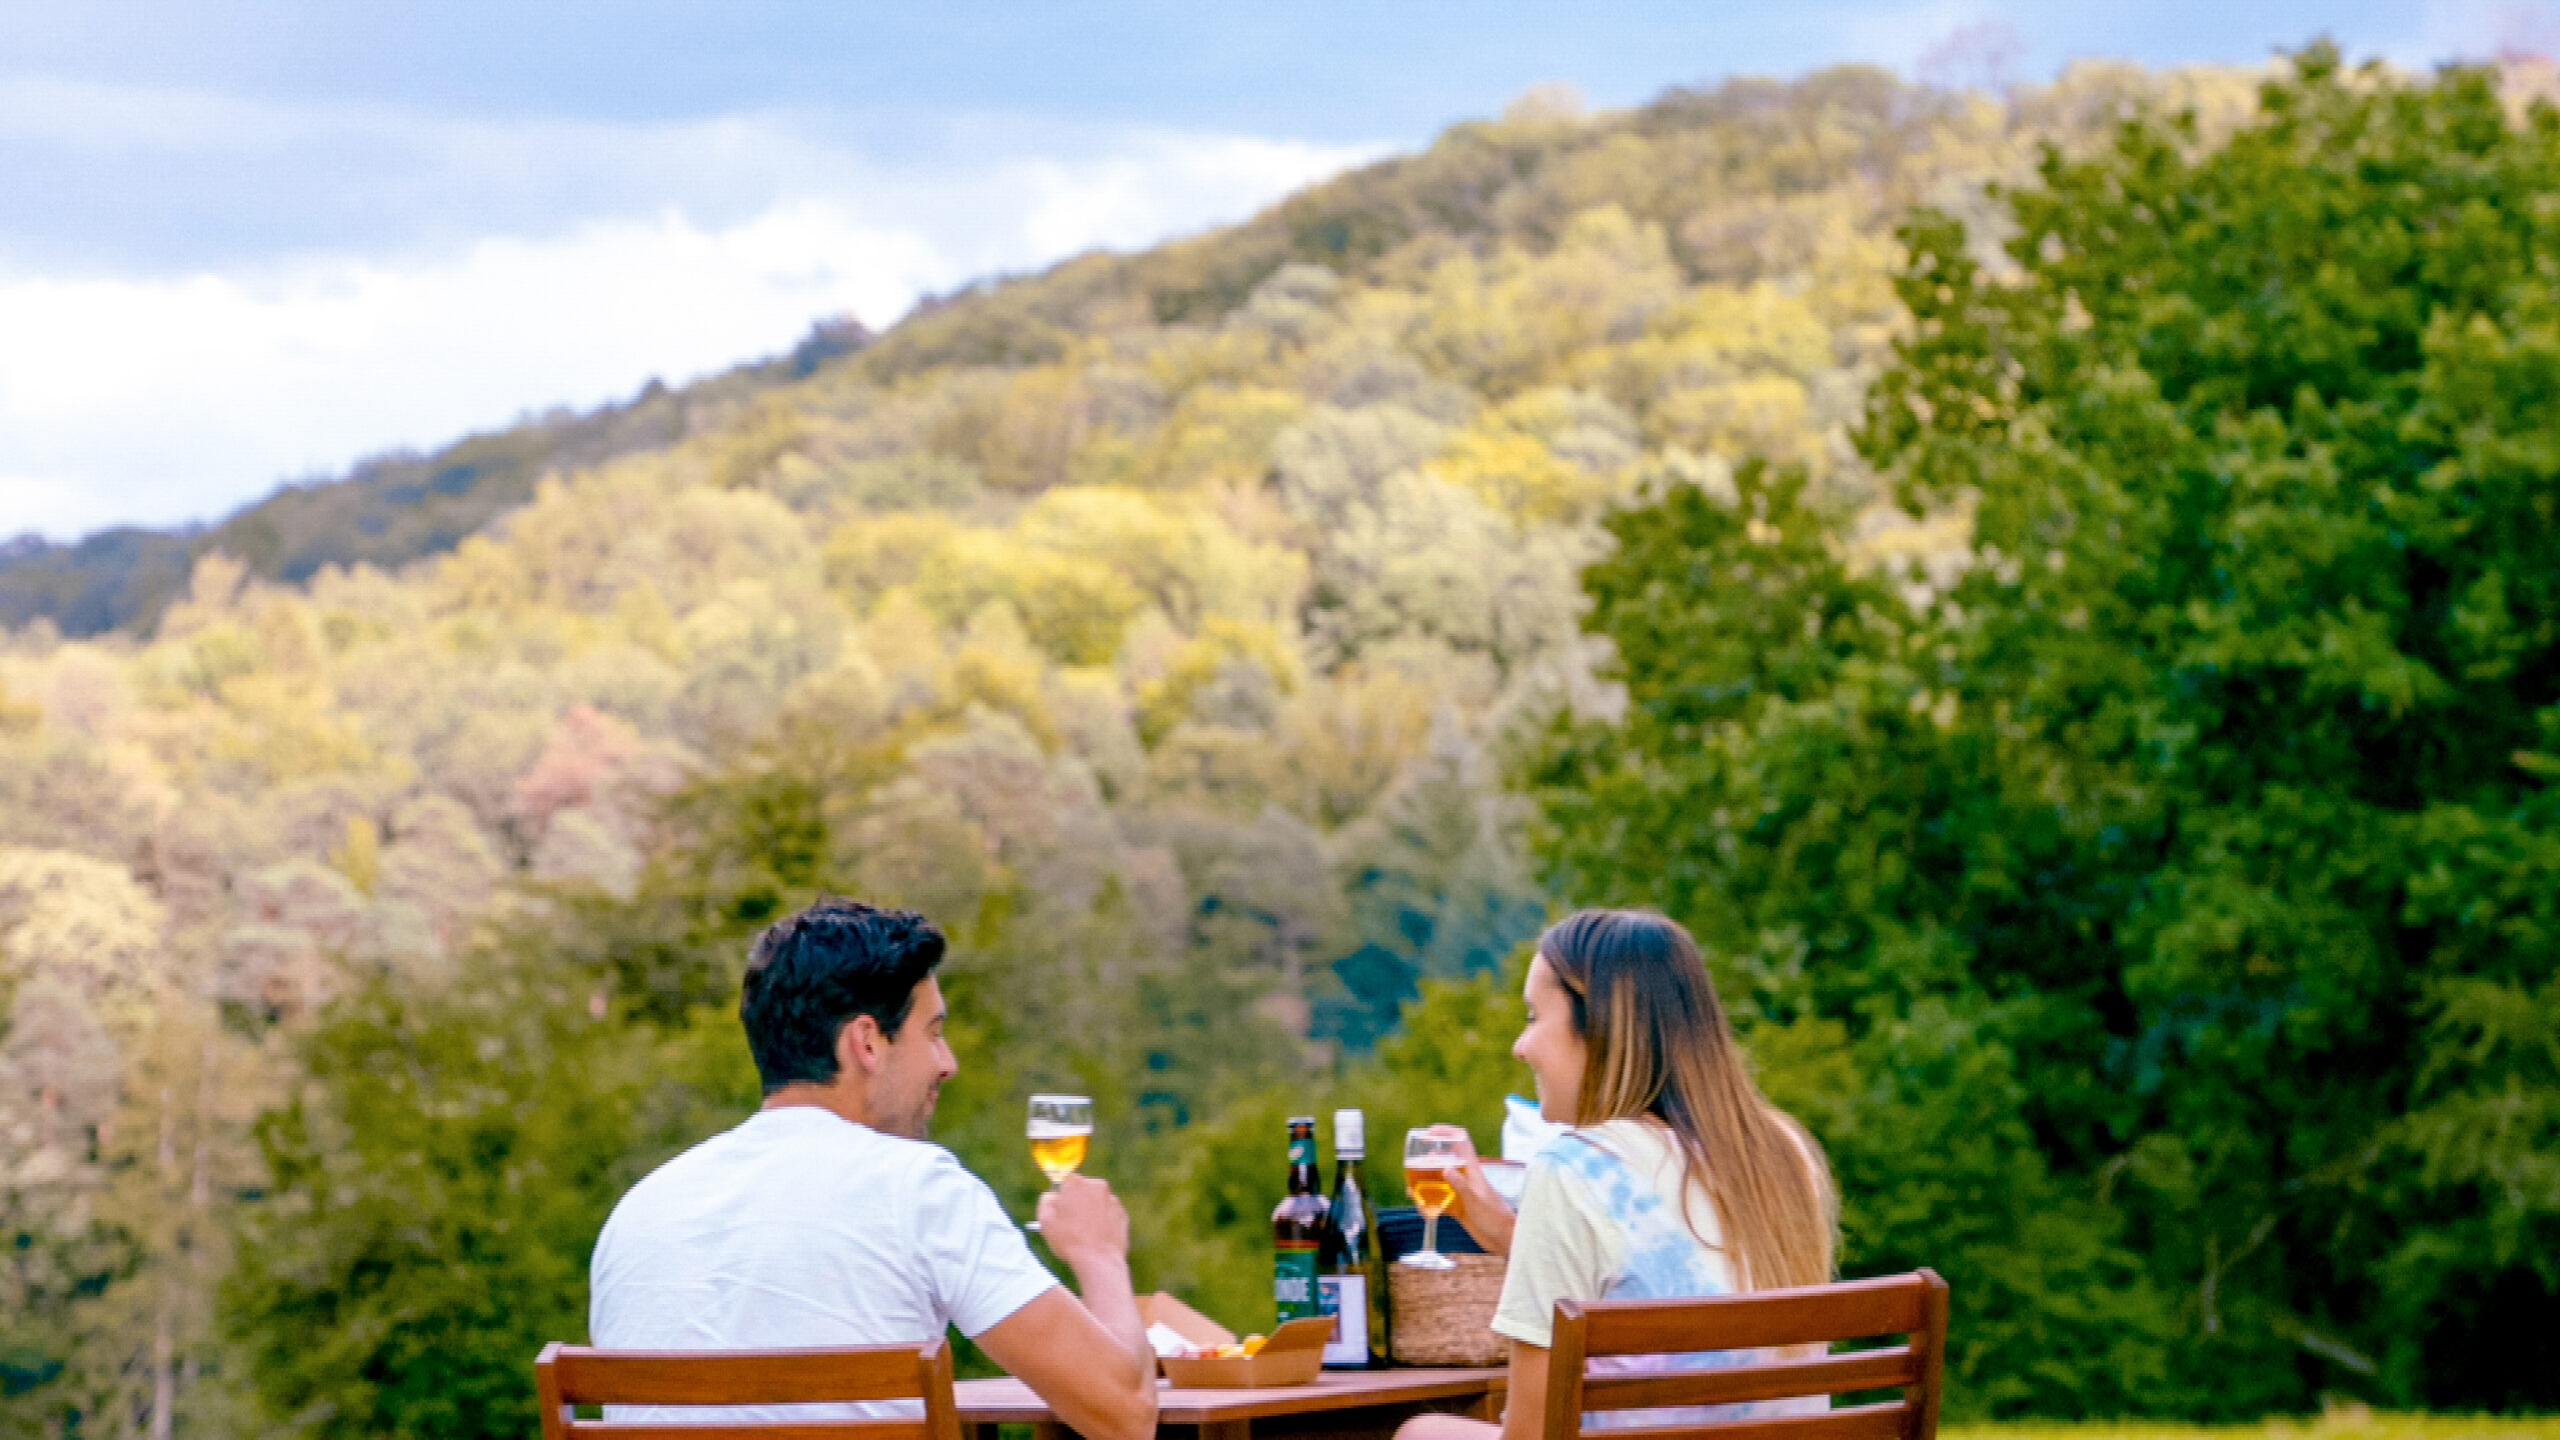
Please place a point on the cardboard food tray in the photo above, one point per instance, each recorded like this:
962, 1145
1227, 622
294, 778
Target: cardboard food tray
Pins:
1292, 1356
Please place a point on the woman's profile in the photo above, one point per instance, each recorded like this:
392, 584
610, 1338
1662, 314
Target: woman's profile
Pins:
1678, 1179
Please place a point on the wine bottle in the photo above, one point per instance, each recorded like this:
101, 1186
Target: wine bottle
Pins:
1351, 1281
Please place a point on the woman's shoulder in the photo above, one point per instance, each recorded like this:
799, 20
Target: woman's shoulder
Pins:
1612, 1156
1640, 1141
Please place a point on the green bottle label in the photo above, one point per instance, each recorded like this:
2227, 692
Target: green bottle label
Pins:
1302, 1152
1293, 1283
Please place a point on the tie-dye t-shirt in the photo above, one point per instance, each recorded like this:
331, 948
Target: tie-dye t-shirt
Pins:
1600, 1219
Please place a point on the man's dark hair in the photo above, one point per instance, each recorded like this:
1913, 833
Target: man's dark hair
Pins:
811, 973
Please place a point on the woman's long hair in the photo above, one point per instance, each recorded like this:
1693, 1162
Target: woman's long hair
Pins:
1659, 1045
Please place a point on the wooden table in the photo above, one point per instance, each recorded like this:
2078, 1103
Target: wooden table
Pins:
1338, 1405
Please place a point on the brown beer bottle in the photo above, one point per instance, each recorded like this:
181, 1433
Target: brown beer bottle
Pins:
1297, 1227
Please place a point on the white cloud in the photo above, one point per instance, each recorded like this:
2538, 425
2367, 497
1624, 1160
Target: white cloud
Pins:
135, 393
166, 399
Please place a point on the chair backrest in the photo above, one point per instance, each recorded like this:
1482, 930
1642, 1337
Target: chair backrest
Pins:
1913, 1306
565, 1376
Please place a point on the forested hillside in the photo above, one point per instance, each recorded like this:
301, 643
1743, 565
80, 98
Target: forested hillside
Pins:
1166, 625
387, 512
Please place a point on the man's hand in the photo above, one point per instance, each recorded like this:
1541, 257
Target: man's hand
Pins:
1084, 1222
1480, 1207
1064, 1348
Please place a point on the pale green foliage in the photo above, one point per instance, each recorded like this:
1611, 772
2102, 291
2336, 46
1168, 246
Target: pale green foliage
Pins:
1335, 460
86, 926
1502, 324
122, 1104
1432, 560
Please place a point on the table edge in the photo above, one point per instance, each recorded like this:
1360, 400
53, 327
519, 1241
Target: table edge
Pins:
1209, 1405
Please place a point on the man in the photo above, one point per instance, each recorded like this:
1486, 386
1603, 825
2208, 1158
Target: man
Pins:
828, 1219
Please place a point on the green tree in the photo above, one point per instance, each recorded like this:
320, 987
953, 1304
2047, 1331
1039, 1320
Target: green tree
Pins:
2204, 832
434, 1202
1785, 784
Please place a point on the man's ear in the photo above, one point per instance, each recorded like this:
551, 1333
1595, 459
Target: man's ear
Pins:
860, 1047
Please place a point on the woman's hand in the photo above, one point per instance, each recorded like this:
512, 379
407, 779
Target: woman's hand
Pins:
1480, 1207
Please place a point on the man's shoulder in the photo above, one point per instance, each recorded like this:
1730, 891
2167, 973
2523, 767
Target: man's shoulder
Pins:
665, 1183
796, 1153
882, 1155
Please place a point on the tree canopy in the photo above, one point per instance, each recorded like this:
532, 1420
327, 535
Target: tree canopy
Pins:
2184, 878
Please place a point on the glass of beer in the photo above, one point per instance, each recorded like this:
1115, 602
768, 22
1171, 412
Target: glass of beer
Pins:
1061, 1129
1428, 1156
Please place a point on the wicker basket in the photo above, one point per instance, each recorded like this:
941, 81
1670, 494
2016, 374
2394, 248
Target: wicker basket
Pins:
1445, 1317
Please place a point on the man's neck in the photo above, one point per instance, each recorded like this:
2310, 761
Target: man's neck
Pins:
842, 1101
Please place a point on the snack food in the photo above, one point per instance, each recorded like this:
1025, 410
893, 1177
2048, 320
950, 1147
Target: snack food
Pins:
1193, 1349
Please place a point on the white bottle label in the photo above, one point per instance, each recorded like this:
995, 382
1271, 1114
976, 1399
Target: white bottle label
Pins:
1346, 1299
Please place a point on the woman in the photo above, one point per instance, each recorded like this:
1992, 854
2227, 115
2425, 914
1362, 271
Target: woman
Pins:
1678, 1178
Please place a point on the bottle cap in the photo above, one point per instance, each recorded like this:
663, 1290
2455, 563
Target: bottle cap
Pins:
1297, 1120
1350, 1133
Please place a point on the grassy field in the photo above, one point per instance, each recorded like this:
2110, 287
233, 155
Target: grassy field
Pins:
2336, 1425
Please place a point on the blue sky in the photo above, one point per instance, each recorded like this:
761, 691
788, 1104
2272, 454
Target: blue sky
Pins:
250, 242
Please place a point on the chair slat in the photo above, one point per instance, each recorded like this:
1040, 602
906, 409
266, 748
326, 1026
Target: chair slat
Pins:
1863, 1422
1852, 1310
1914, 1305
1825, 1375
753, 1430
734, 1377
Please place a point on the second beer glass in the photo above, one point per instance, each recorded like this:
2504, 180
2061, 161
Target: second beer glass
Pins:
1427, 1158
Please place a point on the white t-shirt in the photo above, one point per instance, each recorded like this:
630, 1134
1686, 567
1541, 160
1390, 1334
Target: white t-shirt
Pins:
800, 1228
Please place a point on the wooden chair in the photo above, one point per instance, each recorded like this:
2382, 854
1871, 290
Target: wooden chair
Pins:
1913, 1306
569, 1375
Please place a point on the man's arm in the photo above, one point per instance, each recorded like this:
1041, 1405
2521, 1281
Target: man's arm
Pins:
1064, 1350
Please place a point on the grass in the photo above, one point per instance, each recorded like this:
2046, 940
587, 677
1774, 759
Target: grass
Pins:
2352, 1423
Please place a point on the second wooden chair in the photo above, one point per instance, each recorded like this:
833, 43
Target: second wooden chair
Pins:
1913, 1306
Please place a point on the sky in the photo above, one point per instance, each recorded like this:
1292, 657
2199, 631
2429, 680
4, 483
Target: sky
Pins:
249, 243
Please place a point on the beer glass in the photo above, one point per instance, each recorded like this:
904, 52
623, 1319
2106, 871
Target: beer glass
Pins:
1427, 1158
1060, 1129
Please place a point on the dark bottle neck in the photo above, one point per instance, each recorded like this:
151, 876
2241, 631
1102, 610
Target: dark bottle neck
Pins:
1302, 1164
